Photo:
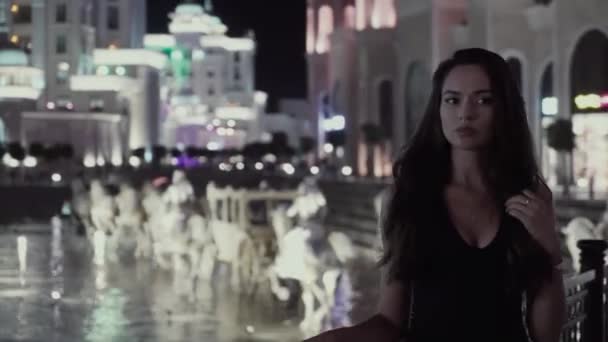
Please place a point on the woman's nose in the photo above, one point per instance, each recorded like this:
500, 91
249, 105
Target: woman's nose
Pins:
466, 112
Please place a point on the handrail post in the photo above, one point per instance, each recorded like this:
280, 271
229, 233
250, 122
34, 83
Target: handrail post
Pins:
592, 258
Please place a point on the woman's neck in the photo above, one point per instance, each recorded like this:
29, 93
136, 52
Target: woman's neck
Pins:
467, 171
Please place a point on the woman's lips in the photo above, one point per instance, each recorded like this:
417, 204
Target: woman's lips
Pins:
465, 131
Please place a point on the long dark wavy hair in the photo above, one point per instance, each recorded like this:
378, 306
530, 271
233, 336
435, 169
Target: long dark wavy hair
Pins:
422, 171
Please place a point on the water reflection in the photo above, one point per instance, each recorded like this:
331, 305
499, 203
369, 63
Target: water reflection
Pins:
53, 292
22, 257
22, 252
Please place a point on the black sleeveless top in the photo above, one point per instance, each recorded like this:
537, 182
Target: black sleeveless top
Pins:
460, 291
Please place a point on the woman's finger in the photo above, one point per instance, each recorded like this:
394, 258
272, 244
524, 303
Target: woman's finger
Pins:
521, 216
531, 195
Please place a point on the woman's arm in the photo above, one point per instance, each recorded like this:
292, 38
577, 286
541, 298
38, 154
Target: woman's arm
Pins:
547, 310
385, 326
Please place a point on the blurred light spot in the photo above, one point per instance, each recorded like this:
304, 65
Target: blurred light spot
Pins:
56, 177
347, 170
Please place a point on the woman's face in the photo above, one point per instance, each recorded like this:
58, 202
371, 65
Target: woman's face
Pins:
466, 108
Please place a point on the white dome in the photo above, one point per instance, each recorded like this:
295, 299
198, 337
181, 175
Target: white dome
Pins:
189, 9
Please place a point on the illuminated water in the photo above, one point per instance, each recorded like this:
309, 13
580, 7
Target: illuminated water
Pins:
50, 290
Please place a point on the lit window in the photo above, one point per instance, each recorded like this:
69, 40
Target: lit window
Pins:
361, 15
121, 71
383, 14
15, 39
310, 31
349, 17
14, 8
326, 27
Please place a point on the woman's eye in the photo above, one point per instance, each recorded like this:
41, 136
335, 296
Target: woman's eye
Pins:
451, 100
486, 101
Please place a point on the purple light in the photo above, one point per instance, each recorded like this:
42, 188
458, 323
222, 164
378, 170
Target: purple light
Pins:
187, 162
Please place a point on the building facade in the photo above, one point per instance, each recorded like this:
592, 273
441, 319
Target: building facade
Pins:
58, 89
371, 61
208, 93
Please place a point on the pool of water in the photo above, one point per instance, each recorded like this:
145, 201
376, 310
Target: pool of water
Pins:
51, 291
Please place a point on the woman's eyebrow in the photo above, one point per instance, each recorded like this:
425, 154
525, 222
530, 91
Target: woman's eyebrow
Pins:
476, 92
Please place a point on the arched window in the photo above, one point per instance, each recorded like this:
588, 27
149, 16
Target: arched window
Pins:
588, 69
326, 27
349, 17
589, 104
310, 30
383, 14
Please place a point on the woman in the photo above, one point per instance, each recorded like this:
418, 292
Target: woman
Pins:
471, 252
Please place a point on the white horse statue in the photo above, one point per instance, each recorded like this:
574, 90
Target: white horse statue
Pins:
80, 207
312, 256
171, 237
103, 211
582, 228
129, 222
152, 205
579, 228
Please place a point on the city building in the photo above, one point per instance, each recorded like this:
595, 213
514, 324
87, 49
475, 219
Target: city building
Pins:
371, 62
52, 62
208, 94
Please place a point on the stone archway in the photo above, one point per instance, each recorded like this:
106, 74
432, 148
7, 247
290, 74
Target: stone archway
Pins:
588, 104
589, 66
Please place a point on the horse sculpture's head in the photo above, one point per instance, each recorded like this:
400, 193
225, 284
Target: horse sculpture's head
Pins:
178, 176
310, 203
97, 189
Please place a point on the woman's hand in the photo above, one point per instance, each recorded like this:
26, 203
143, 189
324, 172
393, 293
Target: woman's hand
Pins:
535, 210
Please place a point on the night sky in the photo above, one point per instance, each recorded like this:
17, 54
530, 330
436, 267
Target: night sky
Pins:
279, 27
